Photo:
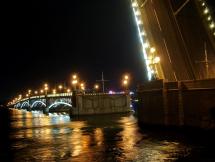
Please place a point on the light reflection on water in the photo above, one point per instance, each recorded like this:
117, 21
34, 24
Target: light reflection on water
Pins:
56, 137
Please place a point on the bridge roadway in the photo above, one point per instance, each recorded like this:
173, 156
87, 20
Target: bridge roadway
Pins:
178, 39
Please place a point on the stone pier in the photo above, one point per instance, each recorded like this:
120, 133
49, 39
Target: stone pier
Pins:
185, 103
100, 103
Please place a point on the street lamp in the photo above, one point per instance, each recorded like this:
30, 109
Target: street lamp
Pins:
60, 87
126, 77
74, 81
20, 97
68, 90
74, 77
46, 89
54, 91
154, 62
96, 87
35, 92
82, 86
152, 50
125, 82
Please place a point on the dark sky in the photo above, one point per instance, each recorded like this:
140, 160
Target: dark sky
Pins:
46, 41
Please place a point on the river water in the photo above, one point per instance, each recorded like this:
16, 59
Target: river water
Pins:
36, 137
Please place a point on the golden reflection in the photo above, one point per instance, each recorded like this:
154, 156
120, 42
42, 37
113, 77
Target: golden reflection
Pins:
130, 134
130, 137
155, 151
29, 131
86, 139
80, 142
99, 136
57, 139
76, 141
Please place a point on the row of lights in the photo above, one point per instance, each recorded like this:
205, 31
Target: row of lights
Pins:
151, 60
208, 16
74, 83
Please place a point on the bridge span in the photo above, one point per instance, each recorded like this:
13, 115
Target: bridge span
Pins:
77, 103
46, 103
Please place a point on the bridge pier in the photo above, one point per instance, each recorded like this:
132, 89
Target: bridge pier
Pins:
74, 102
46, 110
47, 103
184, 103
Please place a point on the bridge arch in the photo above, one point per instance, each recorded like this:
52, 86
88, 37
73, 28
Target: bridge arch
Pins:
25, 103
17, 105
59, 103
36, 102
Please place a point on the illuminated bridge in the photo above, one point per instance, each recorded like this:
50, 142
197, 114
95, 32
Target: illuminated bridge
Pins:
177, 38
46, 103
77, 103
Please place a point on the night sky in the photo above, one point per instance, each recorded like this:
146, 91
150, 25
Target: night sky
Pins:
47, 41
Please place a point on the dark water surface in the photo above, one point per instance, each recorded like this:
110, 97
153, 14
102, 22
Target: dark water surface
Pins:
57, 137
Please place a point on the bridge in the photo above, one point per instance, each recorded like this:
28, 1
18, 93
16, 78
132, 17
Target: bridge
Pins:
77, 103
178, 46
46, 103
177, 38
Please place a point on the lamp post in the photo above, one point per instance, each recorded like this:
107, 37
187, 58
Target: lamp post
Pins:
125, 82
154, 62
46, 91
54, 91
74, 83
60, 87
46, 88
96, 88
29, 92
35, 92
82, 87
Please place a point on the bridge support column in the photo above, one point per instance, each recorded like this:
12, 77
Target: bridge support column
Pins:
29, 104
46, 109
74, 94
74, 102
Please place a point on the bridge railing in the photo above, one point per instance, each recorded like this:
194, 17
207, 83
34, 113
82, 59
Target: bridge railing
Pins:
43, 96
64, 95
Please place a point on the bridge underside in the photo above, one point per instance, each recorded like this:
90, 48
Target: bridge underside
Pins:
46, 104
179, 38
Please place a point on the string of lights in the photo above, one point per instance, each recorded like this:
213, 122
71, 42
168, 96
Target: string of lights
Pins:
207, 16
147, 50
